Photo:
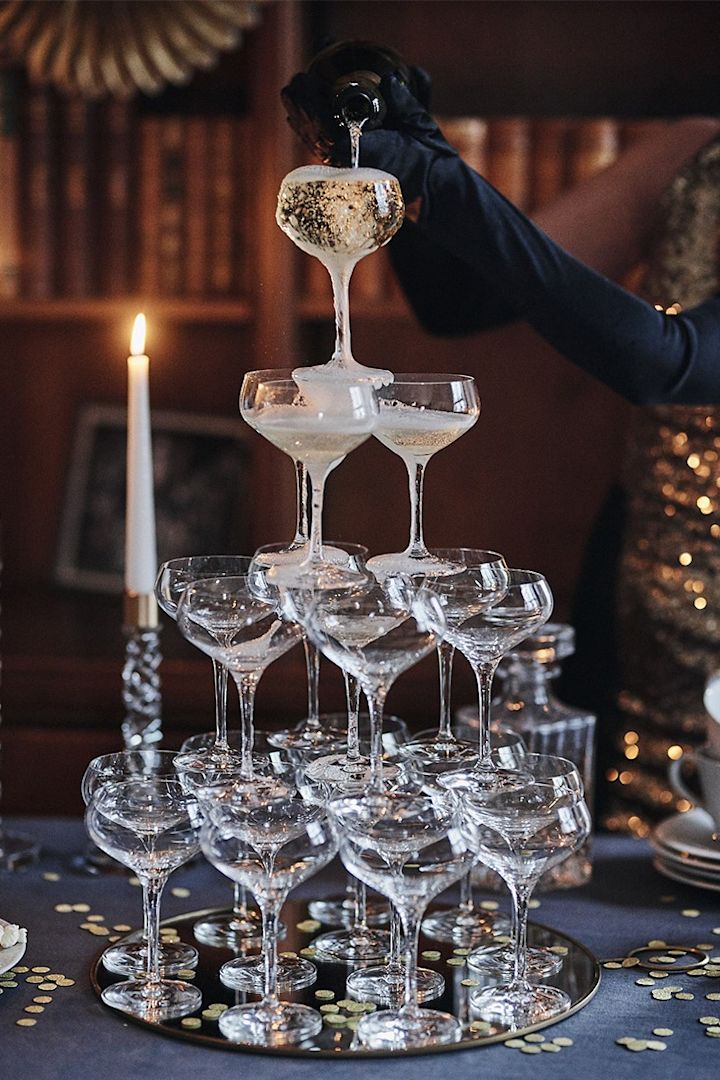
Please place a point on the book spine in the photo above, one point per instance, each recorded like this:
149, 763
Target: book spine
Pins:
76, 246
595, 144
196, 169
508, 158
9, 186
548, 159
149, 206
172, 206
116, 199
222, 226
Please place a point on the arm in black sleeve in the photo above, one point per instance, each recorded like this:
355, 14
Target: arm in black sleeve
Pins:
646, 356
447, 295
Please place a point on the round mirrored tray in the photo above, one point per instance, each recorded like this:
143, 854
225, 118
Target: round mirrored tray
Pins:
579, 976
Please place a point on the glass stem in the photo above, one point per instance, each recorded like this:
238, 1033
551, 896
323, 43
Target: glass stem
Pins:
520, 893
246, 686
376, 704
396, 937
416, 475
446, 653
220, 677
270, 910
317, 482
466, 894
152, 891
484, 674
352, 696
302, 530
411, 929
312, 663
340, 278
360, 897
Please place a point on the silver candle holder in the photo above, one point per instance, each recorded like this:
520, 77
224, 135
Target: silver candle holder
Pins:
141, 693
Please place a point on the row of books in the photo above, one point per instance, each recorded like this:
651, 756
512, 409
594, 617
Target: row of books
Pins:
99, 199
530, 160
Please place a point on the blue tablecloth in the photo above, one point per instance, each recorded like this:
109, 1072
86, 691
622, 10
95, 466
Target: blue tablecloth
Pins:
627, 904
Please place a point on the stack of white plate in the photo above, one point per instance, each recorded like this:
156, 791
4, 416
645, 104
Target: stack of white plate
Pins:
686, 851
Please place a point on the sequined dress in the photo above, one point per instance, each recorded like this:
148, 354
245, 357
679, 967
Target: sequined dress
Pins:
668, 596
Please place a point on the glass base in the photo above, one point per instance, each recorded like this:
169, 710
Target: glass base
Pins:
130, 958
403, 562
324, 737
354, 946
230, 930
165, 1001
247, 973
386, 985
340, 911
405, 1029
281, 1024
520, 1007
463, 927
17, 850
497, 962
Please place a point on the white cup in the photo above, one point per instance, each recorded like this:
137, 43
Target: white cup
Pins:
711, 700
707, 767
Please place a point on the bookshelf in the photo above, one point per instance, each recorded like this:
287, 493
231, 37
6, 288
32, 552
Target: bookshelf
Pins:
551, 440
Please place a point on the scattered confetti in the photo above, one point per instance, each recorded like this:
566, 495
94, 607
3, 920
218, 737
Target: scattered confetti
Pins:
81, 907
34, 1009
42, 999
563, 1040
324, 995
308, 926
26, 1021
455, 961
690, 912
50, 875
430, 954
191, 1022
663, 1031
63, 909
181, 892
685, 997
528, 1048
710, 1021
489, 905
535, 1038
122, 928
329, 1008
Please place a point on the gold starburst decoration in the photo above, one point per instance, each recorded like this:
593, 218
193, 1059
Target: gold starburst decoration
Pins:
99, 47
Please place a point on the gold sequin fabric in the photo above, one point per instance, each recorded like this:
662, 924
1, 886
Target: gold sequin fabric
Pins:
668, 596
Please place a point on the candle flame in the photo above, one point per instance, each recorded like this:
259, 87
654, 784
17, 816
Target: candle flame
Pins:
137, 338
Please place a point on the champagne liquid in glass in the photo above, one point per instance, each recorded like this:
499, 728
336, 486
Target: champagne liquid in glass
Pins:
339, 216
415, 433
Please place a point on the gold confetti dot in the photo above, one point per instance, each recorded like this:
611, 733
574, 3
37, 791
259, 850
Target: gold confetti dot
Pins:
656, 943
329, 1008
34, 979
47, 986
65, 982
663, 1031
710, 1021
134, 881
644, 982
63, 909
455, 961
308, 926
553, 1048
611, 964
533, 904
191, 1022
430, 954
209, 1014
309, 951
324, 995
355, 1007
480, 1027
630, 961
469, 982
535, 1038
50, 875
489, 905
715, 930
344, 1002
335, 1019
186, 973
180, 891
712, 997
635, 1045
26, 1021
8, 984
34, 1009
113, 938
527, 1048
515, 1044
42, 999
95, 918
20, 969
122, 928
659, 975
563, 1040
656, 1044
685, 997
39, 970
562, 950
289, 955
461, 952
690, 912
81, 907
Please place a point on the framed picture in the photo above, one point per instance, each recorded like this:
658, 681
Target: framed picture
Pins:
202, 467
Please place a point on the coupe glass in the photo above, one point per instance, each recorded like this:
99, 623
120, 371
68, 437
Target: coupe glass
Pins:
339, 216
411, 848
520, 831
316, 733
270, 847
419, 415
241, 927
481, 579
150, 825
131, 957
225, 618
173, 578
483, 635
318, 424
